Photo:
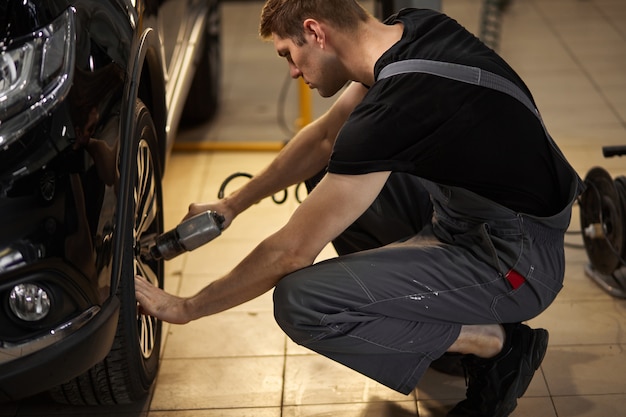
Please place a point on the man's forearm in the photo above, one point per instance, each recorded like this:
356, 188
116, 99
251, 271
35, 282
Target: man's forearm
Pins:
255, 275
303, 157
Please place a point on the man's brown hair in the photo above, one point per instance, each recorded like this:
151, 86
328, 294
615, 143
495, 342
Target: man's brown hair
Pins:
285, 17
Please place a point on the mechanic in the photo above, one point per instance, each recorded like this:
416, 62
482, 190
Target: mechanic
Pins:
472, 151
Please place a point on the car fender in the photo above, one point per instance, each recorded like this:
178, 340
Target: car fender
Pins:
146, 82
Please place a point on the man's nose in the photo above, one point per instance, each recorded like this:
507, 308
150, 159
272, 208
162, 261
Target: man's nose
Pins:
294, 72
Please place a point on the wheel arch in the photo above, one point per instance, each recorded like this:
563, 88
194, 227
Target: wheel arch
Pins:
151, 91
147, 83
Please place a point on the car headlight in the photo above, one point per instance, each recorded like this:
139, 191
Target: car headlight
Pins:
35, 75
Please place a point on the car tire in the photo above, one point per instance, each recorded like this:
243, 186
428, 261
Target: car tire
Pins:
127, 373
203, 99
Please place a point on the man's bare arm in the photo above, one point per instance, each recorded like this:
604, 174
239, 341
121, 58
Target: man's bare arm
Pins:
331, 208
306, 154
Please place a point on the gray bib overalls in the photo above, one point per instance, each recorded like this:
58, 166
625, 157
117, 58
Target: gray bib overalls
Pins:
388, 312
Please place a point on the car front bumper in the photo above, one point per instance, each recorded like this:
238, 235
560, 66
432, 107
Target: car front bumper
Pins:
71, 355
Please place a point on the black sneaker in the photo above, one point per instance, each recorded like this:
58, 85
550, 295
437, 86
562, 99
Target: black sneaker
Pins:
450, 364
495, 384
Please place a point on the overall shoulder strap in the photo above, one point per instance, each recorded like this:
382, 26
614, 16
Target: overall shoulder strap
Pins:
475, 76
459, 72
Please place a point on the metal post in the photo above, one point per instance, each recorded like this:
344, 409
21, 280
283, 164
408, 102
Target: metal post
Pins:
491, 20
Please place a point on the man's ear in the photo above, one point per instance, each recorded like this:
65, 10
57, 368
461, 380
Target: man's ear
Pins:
314, 31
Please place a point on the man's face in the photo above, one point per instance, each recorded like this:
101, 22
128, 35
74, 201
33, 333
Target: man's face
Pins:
318, 67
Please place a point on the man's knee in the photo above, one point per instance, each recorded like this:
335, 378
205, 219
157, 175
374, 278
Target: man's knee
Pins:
292, 310
283, 298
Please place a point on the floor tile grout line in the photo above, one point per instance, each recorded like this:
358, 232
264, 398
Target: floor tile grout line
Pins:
283, 385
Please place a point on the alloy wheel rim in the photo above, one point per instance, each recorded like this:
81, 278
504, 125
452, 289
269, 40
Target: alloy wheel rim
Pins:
145, 223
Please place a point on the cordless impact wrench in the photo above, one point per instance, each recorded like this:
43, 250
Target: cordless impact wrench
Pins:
188, 235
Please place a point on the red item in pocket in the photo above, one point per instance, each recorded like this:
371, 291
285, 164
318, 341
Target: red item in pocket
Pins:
515, 279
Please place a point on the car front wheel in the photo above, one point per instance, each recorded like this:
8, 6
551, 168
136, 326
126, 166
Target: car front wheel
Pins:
130, 368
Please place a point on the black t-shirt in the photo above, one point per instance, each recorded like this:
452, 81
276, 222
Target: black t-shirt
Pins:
449, 131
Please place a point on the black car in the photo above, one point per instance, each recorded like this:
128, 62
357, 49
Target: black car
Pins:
91, 95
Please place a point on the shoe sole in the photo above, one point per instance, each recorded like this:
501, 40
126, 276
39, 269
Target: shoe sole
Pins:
527, 369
